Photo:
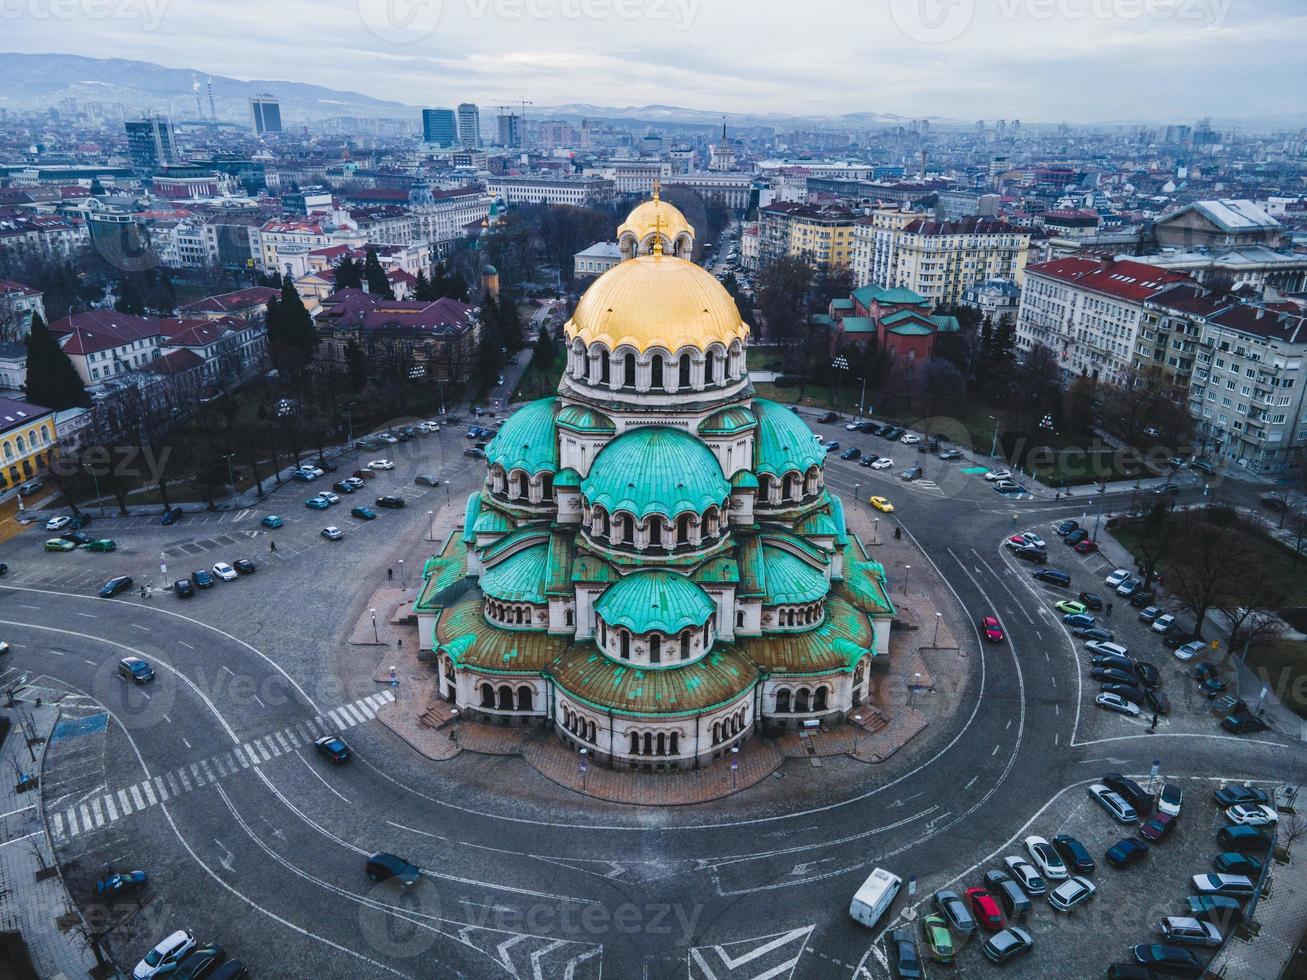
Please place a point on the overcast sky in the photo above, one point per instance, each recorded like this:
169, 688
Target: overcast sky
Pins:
1037, 60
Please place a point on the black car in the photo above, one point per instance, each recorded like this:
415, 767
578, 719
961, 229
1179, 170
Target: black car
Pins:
1038, 555
1243, 722
1131, 692
1112, 675
1167, 488
868, 459
1091, 600
1142, 598
183, 588
1228, 796
427, 480
115, 585
828, 418
1134, 793
340, 486
851, 453
1147, 673
1234, 863
1075, 537
1053, 576
200, 962
244, 566
382, 867
81, 521
202, 578
334, 748
1131, 971
171, 516
1126, 852
1074, 853
1157, 701
1066, 527
906, 958
475, 453
1173, 960
77, 537
231, 970
325, 466
390, 501
1093, 633
1113, 662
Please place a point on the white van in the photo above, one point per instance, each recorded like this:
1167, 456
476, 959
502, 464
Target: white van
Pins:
874, 897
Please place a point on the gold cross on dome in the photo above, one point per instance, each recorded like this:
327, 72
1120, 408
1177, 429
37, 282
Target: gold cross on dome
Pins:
658, 232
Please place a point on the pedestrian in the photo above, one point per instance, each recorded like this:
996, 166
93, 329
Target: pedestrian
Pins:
1153, 727
1109, 610
898, 534
390, 574
1057, 497
272, 545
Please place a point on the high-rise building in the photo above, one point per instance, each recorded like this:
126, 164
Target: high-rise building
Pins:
267, 114
510, 131
151, 143
439, 126
469, 125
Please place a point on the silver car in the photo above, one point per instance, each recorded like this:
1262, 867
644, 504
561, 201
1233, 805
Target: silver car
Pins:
950, 905
1184, 931
1073, 892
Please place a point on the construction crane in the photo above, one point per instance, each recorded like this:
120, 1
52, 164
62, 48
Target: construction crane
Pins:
521, 118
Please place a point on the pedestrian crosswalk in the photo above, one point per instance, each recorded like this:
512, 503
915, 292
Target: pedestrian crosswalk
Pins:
106, 808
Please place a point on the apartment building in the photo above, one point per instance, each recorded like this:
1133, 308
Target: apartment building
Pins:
445, 218
940, 260
27, 441
1089, 312
823, 236
549, 189
1247, 392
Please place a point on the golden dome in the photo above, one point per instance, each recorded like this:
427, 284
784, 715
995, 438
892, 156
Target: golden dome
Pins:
656, 301
655, 216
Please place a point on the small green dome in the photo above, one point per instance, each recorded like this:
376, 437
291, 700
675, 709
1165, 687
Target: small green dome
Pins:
567, 477
790, 579
656, 470
728, 421
582, 419
785, 443
521, 577
655, 600
528, 440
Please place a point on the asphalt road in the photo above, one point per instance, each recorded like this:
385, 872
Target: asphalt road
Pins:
207, 778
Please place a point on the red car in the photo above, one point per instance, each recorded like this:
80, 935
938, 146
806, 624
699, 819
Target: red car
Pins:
1086, 547
985, 909
989, 626
1157, 827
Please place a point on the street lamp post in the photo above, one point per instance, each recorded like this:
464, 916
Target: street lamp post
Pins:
938, 617
402, 583
875, 530
907, 572
735, 764
857, 732
431, 519
375, 637
841, 363
585, 766
993, 446
231, 479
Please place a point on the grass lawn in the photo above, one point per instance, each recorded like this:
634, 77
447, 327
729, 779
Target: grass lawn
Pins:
1282, 664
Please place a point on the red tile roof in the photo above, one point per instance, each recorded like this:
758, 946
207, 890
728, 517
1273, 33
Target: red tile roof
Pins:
241, 300
99, 330
177, 362
1126, 280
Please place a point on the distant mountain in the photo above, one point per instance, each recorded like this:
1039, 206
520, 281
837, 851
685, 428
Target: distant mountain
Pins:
670, 114
40, 80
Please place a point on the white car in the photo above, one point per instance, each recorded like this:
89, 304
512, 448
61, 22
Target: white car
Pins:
1034, 540
1116, 578
311, 470
1025, 874
1104, 648
1233, 886
994, 475
58, 523
356, 482
910, 439
1183, 931
388, 439
1190, 650
381, 464
1113, 803
1252, 814
432, 425
1170, 799
225, 572
332, 533
1071, 893
1046, 858
1162, 623
1114, 702
165, 957
852, 427
328, 496
882, 464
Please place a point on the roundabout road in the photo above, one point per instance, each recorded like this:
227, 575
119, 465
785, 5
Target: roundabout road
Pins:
208, 777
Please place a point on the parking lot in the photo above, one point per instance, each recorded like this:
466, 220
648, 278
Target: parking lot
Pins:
1126, 907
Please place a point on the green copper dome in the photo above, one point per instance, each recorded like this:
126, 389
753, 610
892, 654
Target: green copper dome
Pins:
528, 440
520, 577
785, 443
582, 419
654, 600
790, 579
656, 470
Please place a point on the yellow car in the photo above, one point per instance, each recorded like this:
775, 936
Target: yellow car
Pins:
881, 504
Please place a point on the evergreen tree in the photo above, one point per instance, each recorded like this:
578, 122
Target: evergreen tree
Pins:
297, 325
97, 188
375, 276
508, 320
423, 290
349, 274
52, 381
129, 299
456, 287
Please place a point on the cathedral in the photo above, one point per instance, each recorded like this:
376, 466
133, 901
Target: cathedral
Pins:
654, 567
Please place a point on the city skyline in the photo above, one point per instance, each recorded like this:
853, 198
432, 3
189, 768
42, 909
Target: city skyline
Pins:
1088, 61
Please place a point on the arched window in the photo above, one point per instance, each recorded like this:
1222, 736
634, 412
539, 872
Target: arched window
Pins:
685, 645
487, 696
683, 529
9, 451
605, 374
547, 486
716, 732
675, 747
819, 702
22, 446
628, 528
783, 701
655, 649
710, 368
656, 373
635, 743
524, 699
661, 747
628, 371
505, 698
801, 698
655, 531
569, 617
647, 744
684, 366
626, 644
45, 435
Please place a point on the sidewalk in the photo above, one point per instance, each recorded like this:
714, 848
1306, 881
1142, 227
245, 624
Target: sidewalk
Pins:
33, 900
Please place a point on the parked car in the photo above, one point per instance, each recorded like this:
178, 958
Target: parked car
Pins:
1046, 858
1014, 901
183, 588
851, 453
1098, 633
950, 905
244, 566
117, 884
1074, 854
1234, 863
1025, 874
1053, 576
1091, 600
332, 533
102, 545
427, 480
1170, 799
1075, 537
343, 486
1244, 839
1126, 852
272, 520
938, 939
1029, 553
1231, 886
911, 473
200, 962
1066, 527
391, 501
79, 538
1173, 960
984, 908
1116, 578
363, 513
1130, 791
1156, 827
907, 961
381, 464
1086, 547
1072, 893
165, 956
1007, 944
1114, 702
1252, 815
202, 578
316, 503
1187, 651
225, 571
1114, 803
1225, 913
59, 544
58, 523
1182, 930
